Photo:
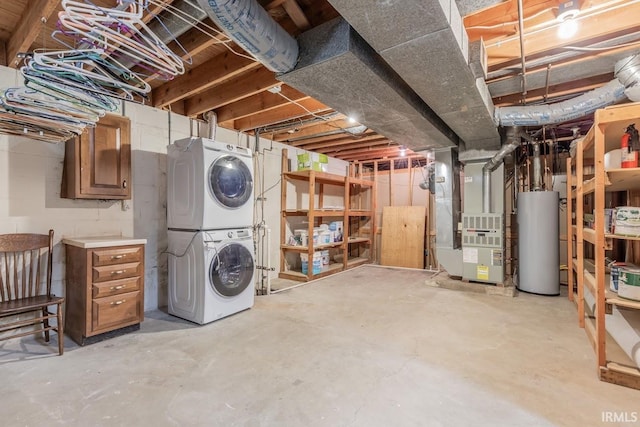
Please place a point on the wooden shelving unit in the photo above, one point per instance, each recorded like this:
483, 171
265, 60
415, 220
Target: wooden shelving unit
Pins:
357, 216
584, 274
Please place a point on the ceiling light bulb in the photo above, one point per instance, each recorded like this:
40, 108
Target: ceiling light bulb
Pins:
351, 120
403, 151
567, 28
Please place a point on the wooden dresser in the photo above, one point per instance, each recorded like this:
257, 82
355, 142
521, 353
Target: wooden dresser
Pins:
105, 287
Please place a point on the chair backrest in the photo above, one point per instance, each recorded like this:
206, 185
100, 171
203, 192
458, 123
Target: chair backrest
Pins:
23, 258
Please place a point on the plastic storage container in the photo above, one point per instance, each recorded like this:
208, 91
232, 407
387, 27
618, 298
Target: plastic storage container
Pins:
317, 263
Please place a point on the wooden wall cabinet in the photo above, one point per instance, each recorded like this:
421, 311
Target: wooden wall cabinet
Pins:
105, 287
97, 164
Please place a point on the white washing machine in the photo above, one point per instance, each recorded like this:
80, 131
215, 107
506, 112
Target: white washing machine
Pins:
211, 273
209, 185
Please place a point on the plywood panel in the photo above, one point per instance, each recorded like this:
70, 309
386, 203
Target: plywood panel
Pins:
403, 236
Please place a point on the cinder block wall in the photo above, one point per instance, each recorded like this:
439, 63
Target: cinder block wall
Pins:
31, 175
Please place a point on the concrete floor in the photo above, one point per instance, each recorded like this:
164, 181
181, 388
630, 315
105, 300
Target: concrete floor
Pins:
368, 347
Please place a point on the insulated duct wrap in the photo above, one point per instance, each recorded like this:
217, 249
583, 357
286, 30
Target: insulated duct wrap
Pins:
628, 73
250, 26
574, 108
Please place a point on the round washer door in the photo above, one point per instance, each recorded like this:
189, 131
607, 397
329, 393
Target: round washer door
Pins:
231, 270
230, 181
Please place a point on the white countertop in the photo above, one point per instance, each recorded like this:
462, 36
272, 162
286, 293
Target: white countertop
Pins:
102, 241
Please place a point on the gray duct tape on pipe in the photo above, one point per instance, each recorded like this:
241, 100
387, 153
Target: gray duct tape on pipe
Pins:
250, 26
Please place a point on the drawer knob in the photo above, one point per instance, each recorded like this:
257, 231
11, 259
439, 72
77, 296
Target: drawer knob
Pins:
117, 257
113, 273
115, 288
118, 302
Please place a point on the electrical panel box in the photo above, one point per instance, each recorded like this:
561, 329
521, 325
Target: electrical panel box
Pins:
483, 247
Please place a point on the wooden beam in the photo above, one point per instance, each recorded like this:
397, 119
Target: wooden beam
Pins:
204, 76
241, 86
195, 41
383, 148
178, 107
281, 114
332, 125
296, 14
333, 140
355, 145
258, 103
614, 20
36, 14
273, 4
3, 53
563, 89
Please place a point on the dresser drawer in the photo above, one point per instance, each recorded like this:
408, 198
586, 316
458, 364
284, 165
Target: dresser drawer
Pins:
114, 272
116, 255
115, 287
116, 311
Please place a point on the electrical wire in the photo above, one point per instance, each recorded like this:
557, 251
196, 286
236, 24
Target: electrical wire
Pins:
185, 250
198, 24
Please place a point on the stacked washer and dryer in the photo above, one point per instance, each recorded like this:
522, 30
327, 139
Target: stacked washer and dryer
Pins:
210, 220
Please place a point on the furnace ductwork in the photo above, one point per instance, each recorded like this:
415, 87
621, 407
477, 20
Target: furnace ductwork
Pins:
626, 84
250, 26
628, 73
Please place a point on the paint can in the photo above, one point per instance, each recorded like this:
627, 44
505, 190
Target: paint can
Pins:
615, 274
629, 283
627, 221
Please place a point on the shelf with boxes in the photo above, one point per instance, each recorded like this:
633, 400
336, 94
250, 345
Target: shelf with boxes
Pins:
610, 232
325, 232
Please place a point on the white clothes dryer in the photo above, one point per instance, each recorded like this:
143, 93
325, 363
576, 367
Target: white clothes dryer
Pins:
209, 185
211, 273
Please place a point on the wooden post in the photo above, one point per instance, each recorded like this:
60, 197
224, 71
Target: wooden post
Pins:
569, 231
392, 164
601, 333
284, 167
580, 231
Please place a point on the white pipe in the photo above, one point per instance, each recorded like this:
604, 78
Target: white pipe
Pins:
250, 26
268, 259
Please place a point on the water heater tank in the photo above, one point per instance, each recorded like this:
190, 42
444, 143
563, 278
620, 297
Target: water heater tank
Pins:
538, 243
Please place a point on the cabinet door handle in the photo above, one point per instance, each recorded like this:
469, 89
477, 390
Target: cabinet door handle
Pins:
113, 273
115, 288
124, 184
118, 302
117, 256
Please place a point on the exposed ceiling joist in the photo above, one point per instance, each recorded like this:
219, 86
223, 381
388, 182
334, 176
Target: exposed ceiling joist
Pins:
296, 14
28, 29
260, 102
337, 123
563, 89
243, 85
204, 76
281, 114
356, 147
342, 140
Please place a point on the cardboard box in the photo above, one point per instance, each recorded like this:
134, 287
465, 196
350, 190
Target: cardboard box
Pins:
313, 161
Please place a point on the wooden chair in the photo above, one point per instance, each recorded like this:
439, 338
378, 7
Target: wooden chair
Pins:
24, 290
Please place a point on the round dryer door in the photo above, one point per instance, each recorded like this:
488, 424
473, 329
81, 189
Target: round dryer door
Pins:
230, 181
231, 270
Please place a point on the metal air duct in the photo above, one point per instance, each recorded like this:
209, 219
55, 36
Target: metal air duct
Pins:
427, 46
626, 84
338, 68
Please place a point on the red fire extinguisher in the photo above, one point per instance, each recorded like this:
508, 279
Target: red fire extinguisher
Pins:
630, 146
